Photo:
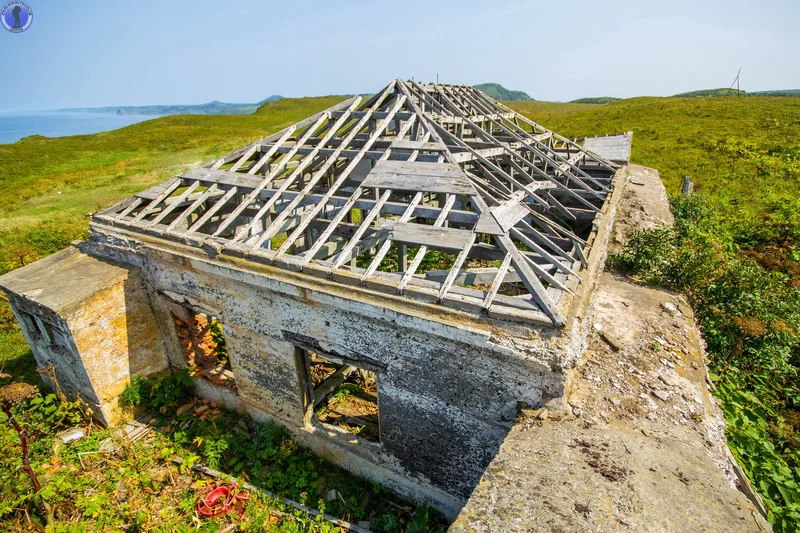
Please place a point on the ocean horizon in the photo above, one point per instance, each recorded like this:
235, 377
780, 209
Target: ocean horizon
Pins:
15, 125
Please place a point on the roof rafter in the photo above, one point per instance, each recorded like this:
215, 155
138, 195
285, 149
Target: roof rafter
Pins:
416, 166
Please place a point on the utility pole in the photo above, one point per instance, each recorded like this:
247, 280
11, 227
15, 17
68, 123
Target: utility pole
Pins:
735, 82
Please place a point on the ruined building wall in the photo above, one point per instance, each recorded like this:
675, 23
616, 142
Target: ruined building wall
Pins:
92, 321
447, 393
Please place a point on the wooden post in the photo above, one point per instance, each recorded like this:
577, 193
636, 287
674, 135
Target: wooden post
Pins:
688, 187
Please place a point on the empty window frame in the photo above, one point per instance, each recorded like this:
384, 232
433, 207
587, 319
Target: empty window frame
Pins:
336, 393
203, 345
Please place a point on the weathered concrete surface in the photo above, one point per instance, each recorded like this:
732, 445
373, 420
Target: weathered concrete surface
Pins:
92, 321
566, 477
447, 392
646, 451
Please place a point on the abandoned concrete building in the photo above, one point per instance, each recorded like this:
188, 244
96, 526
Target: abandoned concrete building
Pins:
427, 247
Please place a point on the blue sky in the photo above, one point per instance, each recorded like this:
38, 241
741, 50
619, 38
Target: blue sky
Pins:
94, 53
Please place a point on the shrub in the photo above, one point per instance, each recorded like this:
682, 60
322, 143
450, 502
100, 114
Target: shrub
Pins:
158, 391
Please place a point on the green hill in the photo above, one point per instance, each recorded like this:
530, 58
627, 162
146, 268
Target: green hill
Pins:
498, 92
211, 108
596, 100
782, 92
723, 91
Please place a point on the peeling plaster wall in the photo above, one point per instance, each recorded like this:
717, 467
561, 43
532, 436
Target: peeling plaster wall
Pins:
96, 335
447, 393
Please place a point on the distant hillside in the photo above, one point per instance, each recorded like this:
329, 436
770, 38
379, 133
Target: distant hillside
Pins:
724, 91
498, 92
732, 92
595, 100
211, 108
781, 92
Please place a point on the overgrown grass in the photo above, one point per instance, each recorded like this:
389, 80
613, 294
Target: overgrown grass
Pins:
140, 487
735, 250
49, 186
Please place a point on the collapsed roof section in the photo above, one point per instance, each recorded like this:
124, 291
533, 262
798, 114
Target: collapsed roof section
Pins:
437, 192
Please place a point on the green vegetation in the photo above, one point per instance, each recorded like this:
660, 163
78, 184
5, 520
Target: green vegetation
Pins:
498, 92
725, 91
211, 108
735, 249
140, 487
596, 100
784, 92
705, 93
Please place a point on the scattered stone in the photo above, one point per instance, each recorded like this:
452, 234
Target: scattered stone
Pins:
71, 434
670, 308
200, 410
670, 379
612, 341
331, 495
661, 395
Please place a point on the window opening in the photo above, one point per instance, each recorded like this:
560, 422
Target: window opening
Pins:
339, 394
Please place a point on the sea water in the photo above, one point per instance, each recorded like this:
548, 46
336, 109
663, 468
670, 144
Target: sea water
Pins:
16, 125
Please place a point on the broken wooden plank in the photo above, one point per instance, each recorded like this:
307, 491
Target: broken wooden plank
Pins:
423, 235
403, 144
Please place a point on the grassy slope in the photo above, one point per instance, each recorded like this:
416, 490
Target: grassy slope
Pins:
498, 92
48, 186
596, 100
704, 93
693, 137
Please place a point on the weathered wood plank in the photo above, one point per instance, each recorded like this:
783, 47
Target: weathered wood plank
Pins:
419, 235
404, 144
223, 177
419, 176
473, 276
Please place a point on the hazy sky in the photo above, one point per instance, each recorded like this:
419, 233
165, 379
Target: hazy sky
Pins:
93, 53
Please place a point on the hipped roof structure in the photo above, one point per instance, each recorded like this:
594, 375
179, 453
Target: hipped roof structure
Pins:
433, 191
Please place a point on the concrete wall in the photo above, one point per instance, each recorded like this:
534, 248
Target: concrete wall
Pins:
447, 391
96, 335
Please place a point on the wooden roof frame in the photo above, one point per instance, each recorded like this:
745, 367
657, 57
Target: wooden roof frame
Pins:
450, 169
